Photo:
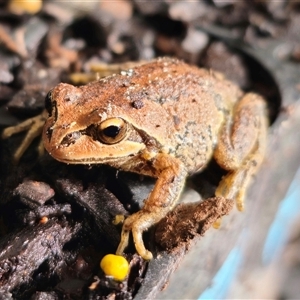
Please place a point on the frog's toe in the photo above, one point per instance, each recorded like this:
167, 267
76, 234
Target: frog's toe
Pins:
217, 224
34, 127
124, 242
240, 203
139, 243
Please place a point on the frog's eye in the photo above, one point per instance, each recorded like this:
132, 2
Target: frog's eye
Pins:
112, 130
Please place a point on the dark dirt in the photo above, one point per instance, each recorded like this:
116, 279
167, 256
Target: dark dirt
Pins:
187, 221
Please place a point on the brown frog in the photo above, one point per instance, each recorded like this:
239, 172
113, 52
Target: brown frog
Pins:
164, 119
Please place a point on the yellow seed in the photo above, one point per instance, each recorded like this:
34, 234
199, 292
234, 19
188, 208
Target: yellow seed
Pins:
115, 265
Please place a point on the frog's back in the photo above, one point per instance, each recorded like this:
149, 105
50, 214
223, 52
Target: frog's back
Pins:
196, 101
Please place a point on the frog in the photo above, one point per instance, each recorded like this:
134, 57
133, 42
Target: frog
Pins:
165, 119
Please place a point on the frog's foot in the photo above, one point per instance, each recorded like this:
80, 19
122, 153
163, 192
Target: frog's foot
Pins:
34, 127
118, 219
233, 186
235, 183
137, 224
103, 69
100, 70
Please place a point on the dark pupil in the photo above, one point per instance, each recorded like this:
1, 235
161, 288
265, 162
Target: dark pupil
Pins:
111, 131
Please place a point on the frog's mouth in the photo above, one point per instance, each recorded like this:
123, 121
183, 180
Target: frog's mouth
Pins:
78, 148
113, 161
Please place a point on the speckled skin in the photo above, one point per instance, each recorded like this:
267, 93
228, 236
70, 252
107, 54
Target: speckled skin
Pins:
177, 117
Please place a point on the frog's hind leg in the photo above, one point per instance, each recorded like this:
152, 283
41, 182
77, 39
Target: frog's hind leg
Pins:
241, 147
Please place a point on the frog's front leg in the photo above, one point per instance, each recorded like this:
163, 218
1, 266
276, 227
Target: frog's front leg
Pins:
171, 178
241, 147
34, 127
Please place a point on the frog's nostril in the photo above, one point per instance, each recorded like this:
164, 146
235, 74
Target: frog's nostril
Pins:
71, 138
